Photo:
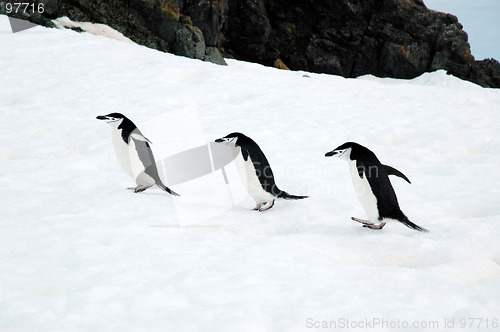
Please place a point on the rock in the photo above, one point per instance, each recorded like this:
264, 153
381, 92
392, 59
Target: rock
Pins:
213, 55
278, 63
209, 16
387, 38
321, 58
189, 41
247, 31
405, 61
168, 21
487, 73
52, 8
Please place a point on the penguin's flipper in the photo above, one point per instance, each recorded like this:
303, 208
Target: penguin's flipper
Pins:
146, 161
392, 171
141, 156
411, 225
136, 134
360, 166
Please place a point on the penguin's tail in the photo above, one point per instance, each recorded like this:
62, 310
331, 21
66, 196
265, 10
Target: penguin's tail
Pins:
285, 195
167, 189
411, 225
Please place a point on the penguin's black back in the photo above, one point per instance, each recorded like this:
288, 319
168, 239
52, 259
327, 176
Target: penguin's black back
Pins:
250, 149
126, 126
368, 165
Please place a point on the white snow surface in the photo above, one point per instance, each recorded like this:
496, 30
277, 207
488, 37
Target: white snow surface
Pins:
93, 28
80, 252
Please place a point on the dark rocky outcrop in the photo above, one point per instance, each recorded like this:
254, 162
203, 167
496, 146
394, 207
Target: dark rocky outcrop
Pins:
159, 24
386, 38
486, 73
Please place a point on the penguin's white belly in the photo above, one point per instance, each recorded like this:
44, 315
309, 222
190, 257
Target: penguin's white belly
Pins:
249, 177
121, 151
364, 192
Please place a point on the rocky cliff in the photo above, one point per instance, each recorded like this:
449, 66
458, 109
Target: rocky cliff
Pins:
386, 38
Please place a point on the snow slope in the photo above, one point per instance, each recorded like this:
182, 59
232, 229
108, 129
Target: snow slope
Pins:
79, 252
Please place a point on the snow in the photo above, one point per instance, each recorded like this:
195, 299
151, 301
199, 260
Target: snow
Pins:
93, 28
79, 252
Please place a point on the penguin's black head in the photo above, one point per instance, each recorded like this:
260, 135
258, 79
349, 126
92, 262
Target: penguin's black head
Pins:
235, 138
118, 121
112, 117
344, 151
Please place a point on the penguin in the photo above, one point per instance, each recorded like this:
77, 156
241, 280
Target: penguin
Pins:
134, 153
257, 174
373, 187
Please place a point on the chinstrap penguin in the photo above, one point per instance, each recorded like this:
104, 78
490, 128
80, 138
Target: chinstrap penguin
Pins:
134, 153
257, 174
373, 187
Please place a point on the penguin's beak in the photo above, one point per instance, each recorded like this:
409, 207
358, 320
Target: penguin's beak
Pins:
102, 117
225, 140
331, 153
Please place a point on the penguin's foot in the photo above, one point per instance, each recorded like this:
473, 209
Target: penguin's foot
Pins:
140, 188
373, 226
364, 222
257, 207
369, 224
267, 206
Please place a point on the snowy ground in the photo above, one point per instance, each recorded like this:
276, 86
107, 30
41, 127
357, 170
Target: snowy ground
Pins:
78, 252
